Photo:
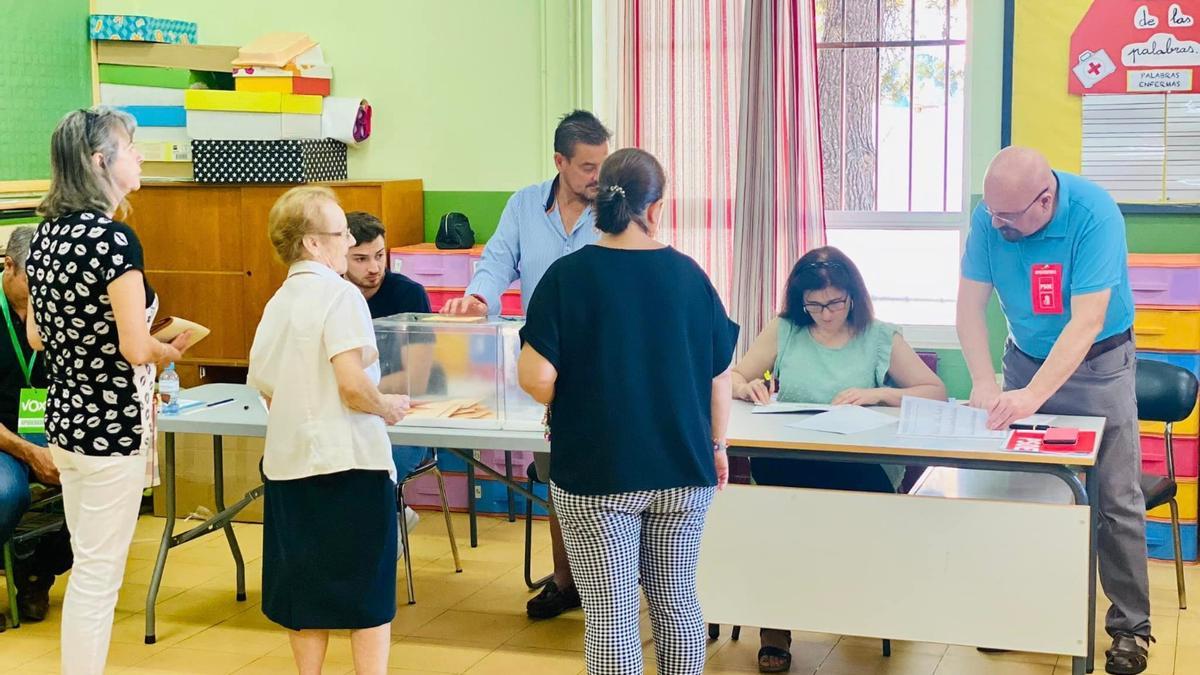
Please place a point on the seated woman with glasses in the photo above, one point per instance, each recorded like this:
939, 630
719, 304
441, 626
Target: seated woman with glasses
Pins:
827, 347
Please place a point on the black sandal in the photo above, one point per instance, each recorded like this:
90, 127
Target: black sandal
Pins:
1126, 657
770, 652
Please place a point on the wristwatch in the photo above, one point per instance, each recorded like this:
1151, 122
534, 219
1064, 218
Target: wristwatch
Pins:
720, 445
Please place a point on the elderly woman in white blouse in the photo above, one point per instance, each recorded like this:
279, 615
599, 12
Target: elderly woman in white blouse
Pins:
329, 526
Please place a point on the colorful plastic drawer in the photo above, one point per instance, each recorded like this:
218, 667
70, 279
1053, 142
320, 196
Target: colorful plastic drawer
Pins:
495, 459
510, 304
510, 301
1167, 330
423, 491
1186, 497
475, 258
1188, 427
448, 461
1165, 286
1187, 456
434, 269
1160, 543
1189, 361
1164, 260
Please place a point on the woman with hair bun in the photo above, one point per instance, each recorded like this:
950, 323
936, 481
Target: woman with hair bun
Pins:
629, 346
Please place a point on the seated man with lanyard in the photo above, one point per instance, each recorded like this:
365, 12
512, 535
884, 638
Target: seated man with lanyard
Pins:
388, 293
24, 460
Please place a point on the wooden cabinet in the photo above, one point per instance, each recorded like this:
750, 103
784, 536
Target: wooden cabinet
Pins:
209, 259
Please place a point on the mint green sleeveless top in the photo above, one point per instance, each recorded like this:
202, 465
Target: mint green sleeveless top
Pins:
809, 372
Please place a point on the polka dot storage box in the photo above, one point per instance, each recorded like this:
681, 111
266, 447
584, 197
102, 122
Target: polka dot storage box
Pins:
268, 162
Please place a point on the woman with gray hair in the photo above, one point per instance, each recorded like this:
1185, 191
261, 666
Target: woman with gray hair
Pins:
90, 310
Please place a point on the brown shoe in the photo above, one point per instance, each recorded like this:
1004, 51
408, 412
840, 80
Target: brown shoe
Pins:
33, 598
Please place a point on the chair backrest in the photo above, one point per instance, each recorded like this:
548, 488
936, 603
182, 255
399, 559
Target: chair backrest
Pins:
1165, 392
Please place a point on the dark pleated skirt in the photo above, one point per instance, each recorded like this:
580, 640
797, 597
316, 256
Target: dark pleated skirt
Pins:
329, 551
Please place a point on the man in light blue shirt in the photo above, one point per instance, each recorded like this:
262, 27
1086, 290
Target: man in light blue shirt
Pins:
543, 222
540, 224
1052, 245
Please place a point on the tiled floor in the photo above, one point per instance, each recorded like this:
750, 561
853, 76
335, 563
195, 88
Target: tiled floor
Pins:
475, 622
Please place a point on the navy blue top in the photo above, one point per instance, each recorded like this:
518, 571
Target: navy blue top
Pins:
637, 337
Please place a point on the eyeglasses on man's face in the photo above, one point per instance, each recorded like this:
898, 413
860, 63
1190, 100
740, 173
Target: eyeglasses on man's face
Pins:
1010, 218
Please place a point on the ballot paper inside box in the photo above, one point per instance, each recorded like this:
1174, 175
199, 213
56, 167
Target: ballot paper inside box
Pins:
458, 373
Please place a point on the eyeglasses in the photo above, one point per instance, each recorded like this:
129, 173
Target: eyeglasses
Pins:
344, 234
834, 306
1010, 219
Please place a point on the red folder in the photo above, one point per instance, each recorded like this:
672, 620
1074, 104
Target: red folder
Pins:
1031, 441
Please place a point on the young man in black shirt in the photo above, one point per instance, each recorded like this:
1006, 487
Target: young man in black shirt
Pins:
23, 461
389, 293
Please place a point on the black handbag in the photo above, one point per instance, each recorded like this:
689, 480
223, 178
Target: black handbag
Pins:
454, 232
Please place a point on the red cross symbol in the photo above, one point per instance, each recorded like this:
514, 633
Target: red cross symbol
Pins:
1093, 69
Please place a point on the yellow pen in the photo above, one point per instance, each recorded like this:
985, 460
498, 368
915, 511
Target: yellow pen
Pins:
767, 379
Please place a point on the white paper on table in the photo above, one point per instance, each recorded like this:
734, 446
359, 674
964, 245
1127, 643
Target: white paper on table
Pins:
1033, 420
774, 408
923, 417
845, 419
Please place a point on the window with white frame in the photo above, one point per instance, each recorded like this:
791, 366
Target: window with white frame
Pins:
892, 79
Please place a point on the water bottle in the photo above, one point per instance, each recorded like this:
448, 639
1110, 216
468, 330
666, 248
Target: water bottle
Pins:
168, 390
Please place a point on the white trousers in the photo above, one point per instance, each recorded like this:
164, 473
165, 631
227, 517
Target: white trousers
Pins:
101, 497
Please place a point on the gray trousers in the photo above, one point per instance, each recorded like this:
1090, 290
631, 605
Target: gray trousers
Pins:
1104, 387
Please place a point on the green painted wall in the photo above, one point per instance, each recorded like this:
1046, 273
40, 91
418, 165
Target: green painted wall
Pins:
466, 93
481, 208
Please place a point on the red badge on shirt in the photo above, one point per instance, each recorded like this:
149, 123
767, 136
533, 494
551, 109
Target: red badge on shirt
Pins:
1047, 288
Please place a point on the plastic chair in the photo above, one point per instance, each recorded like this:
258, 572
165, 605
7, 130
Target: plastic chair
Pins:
1166, 393
34, 524
430, 465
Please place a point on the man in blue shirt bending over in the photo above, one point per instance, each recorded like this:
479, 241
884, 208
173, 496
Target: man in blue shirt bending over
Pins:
540, 224
1052, 245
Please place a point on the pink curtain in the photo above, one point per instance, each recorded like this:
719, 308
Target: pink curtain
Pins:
724, 93
780, 206
679, 73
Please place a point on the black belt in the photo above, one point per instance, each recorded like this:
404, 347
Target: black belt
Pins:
1102, 347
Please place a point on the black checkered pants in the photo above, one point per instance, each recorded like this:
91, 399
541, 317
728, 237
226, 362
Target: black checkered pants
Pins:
615, 540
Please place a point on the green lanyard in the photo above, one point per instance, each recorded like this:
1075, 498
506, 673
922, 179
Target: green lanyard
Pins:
26, 368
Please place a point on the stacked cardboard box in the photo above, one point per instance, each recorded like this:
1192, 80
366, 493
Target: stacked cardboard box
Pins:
147, 65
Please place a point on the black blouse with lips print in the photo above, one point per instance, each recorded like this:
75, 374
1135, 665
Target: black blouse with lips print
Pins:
98, 403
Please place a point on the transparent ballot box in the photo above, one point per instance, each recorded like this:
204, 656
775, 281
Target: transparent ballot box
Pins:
458, 372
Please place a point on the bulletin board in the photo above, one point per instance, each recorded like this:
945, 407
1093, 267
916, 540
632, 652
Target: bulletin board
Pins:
45, 71
1047, 86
